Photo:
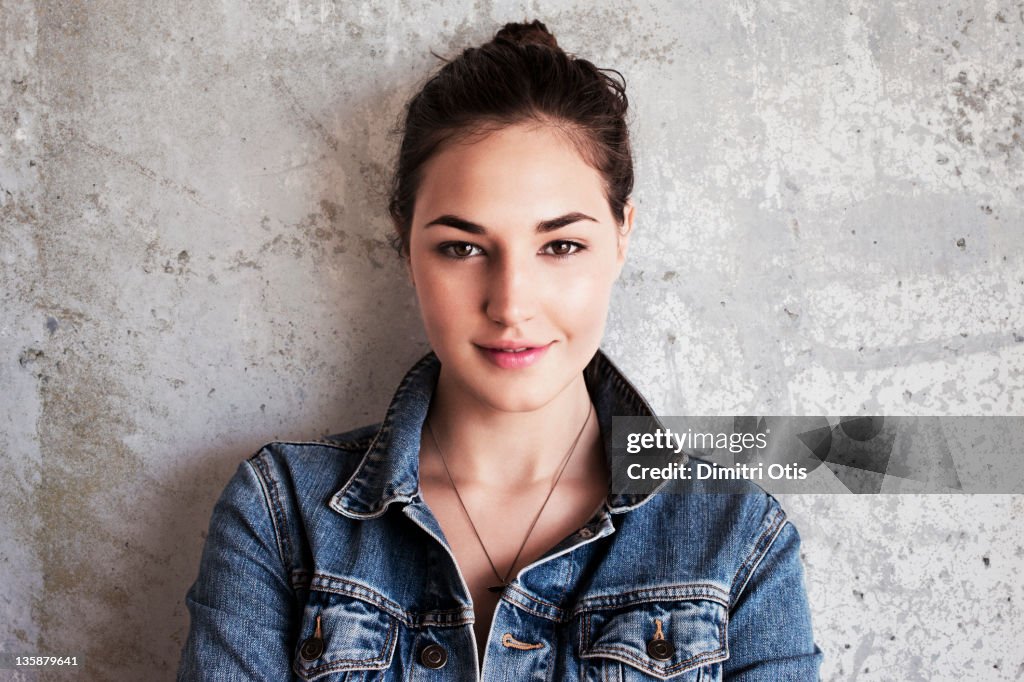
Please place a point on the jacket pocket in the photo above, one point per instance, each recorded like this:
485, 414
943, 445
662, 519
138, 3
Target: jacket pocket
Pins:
680, 640
342, 639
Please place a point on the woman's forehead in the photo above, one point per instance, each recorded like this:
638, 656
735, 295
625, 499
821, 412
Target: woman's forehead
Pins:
530, 171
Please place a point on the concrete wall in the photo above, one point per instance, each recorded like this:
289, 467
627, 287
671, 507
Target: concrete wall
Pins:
192, 240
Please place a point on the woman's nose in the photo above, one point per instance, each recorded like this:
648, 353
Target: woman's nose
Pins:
511, 291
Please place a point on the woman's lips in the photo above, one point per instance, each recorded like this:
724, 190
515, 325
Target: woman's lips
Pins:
514, 359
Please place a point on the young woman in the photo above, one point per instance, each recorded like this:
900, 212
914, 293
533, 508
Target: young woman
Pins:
472, 534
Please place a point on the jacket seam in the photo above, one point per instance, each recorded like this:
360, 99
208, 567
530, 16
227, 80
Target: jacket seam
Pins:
274, 508
337, 445
347, 663
553, 607
567, 579
349, 588
561, 615
534, 612
525, 606
335, 585
764, 542
658, 594
627, 655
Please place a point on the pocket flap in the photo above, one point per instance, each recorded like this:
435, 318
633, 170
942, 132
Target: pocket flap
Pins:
689, 633
354, 635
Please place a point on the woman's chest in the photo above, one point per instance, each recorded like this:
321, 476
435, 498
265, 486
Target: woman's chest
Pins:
492, 535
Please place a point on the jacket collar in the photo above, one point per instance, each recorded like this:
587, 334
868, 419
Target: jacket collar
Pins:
389, 470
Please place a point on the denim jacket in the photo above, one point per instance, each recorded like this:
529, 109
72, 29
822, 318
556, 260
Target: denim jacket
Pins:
323, 562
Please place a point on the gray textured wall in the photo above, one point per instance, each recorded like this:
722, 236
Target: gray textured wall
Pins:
192, 239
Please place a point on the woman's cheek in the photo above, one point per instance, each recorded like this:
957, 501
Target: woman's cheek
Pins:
584, 301
586, 289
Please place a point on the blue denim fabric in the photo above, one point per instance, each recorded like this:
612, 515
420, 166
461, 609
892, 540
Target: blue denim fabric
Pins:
337, 530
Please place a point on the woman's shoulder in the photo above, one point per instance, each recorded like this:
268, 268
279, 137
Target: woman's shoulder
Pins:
740, 508
301, 465
341, 446
695, 535
730, 500
735, 519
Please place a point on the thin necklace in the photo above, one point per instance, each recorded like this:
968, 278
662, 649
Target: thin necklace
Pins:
502, 582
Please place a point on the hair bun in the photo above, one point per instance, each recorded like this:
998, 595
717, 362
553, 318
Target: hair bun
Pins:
533, 33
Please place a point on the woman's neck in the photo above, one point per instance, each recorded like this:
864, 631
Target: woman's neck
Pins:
487, 447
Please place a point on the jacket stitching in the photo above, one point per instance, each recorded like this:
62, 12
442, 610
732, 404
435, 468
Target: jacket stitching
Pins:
526, 595
782, 524
663, 594
586, 628
350, 588
271, 496
658, 594
385, 429
773, 529
585, 635
533, 611
356, 445
358, 591
630, 657
342, 663
570, 567
630, 654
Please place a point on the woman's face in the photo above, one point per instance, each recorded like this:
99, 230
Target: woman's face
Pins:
513, 246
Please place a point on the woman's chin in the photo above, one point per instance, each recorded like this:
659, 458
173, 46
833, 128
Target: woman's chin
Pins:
509, 397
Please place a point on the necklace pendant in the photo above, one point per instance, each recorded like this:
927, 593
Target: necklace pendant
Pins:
497, 589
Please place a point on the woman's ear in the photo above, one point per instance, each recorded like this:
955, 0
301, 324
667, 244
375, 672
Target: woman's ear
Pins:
624, 232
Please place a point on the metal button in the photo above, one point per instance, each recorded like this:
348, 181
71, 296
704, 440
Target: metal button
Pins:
586, 533
660, 649
311, 649
433, 656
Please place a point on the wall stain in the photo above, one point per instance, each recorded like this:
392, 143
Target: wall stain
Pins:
128, 163
84, 465
302, 113
318, 235
172, 263
241, 260
983, 112
376, 250
376, 181
321, 232
30, 356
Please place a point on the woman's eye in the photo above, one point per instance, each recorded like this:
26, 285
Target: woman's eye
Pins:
463, 250
459, 249
563, 248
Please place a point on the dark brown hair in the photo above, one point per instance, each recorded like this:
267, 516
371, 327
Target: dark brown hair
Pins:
522, 74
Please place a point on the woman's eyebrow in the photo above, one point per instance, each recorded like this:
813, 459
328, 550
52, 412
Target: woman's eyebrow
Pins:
543, 226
